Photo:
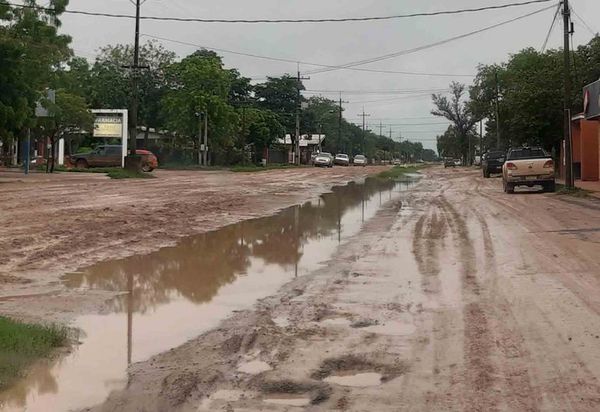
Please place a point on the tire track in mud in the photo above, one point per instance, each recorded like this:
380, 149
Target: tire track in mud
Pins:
480, 370
428, 240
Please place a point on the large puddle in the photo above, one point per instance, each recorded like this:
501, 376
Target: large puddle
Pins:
175, 294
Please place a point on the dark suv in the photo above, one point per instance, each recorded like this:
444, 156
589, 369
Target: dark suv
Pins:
492, 163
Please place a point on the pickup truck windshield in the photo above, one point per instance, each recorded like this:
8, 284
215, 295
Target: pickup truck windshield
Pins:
517, 154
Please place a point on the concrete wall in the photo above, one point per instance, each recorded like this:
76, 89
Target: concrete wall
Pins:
590, 150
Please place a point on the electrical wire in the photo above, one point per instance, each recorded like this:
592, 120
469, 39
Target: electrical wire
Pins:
248, 21
587, 26
429, 46
382, 92
551, 28
284, 60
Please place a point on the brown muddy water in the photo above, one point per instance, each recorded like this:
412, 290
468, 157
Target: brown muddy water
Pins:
170, 296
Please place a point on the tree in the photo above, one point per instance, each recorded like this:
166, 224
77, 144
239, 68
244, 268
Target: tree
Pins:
429, 155
280, 95
200, 84
262, 128
459, 113
31, 51
68, 114
111, 85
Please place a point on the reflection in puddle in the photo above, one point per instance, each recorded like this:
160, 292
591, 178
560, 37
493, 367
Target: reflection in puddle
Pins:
288, 400
176, 293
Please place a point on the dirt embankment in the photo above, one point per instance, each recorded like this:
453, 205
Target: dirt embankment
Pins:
459, 297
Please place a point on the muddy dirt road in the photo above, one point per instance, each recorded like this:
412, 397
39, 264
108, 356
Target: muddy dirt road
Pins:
51, 224
455, 296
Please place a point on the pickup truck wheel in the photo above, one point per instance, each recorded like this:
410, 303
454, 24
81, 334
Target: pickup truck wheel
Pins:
550, 187
510, 188
81, 164
147, 168
486, 174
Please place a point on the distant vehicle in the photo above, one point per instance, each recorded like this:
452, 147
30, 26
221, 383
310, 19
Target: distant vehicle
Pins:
492, 163
528, 167
451, 162
359, 160
323, 160
111, 156
477, 161
341, 159
396, 162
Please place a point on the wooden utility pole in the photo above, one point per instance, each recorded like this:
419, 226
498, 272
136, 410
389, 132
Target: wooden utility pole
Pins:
133, 162
364, 127
569, 181
298, 112
497, 111
380, 128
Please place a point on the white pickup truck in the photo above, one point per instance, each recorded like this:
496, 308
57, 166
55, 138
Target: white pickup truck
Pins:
528, 166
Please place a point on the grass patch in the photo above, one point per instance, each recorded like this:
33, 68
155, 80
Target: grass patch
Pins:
398, 171
255, 168
22, 344
575, 192
112, 172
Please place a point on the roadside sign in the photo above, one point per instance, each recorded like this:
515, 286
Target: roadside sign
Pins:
108, 126
591, 103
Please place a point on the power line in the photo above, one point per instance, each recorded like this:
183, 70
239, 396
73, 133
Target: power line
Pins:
551, 28
431, 45
389, 91
587, 26
284, 60
271, 21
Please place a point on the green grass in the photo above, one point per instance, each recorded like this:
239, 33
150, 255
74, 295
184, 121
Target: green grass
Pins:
112, 172
398, 171
255, 168
575, 192
22, 344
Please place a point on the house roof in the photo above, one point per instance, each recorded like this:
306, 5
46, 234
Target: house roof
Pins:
305, 140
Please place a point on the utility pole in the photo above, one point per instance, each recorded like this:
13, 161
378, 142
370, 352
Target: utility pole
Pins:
497, 111
480, 139
364, 127
380, 128
133, 162
390, 132
569, 181
205, 151
298, 112
341, 110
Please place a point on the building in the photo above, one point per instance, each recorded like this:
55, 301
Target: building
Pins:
309, 144
585, 136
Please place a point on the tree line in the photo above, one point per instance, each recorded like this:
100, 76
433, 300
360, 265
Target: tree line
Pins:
528, 89
243, 117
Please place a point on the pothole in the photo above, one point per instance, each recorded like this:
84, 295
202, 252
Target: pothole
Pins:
392, 328
364, 323
359, 368
357, 380
254, 367
288, 400
286, 391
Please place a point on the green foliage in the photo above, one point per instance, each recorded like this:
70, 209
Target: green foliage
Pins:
200, 84
254, 168
22, 344
280, 95
457, 110
397, 172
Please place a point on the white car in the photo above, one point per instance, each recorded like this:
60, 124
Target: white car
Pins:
360, 160
323, 160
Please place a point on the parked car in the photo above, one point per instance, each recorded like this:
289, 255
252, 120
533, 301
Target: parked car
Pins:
111, 156
528, 167
323, 160
359, 160
396, 162
451, 162
492, 163
341, 159
477, 161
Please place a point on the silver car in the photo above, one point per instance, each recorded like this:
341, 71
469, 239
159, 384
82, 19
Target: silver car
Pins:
360, 160
323, 160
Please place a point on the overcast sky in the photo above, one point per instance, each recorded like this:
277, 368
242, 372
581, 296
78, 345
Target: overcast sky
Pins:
340, 43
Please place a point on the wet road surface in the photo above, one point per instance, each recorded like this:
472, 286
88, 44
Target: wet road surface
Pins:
464, 298
170, 296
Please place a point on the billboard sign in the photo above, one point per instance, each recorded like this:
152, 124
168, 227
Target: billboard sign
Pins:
108, 126
591, 100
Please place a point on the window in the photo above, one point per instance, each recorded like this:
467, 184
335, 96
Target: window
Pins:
527, 153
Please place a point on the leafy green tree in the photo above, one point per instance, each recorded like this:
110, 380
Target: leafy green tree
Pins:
459, 112
111, 85
262, 128
69, 113
200, 84
279, 95
31, 51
